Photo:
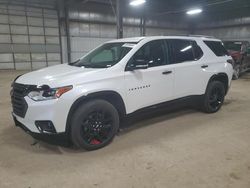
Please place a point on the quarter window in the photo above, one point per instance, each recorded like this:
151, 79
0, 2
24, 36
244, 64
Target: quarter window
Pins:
217, 47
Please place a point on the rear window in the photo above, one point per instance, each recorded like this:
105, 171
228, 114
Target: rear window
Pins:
217, 47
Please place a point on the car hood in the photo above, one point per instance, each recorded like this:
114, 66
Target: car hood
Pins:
56, 76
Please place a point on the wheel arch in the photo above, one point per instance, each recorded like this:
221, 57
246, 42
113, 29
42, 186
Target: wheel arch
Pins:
222, 77
111, 96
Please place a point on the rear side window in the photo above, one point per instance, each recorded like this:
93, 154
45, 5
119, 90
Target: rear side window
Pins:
181, 51
217, 47
184, 50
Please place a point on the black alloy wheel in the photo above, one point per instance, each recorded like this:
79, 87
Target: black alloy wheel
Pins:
97, 127
214, 97
94, 124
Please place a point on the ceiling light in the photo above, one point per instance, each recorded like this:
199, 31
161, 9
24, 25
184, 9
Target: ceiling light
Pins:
194, 11
137, 2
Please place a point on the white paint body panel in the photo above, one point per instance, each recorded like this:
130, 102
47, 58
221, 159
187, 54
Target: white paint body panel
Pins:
148, 87
186, 79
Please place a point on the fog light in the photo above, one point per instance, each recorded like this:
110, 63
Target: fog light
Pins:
45, 127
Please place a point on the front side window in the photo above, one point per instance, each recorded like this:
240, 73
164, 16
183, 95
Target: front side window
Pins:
105, 56
153, 53
182, 50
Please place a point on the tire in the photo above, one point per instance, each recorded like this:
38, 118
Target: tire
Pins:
237, 71
94, 124
214, 97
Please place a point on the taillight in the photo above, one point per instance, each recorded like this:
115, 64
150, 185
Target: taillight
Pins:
231, 62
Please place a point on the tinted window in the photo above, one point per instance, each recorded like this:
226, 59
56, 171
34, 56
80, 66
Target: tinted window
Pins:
182, 50
152, 52
217, 47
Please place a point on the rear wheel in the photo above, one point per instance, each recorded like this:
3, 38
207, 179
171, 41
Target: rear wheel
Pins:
214, 97
94, 125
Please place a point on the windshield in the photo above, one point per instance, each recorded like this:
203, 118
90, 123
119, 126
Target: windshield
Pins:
105, 56
234, 46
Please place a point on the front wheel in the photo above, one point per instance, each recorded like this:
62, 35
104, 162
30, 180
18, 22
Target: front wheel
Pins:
94, 124
214, 97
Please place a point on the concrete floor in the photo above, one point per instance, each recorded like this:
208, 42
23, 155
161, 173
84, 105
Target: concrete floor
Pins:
180, 149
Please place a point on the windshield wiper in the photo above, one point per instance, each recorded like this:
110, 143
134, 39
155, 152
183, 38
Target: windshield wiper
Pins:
78, 63
89, 65
74, 62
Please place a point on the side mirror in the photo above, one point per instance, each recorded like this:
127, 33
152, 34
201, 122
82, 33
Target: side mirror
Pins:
138, 64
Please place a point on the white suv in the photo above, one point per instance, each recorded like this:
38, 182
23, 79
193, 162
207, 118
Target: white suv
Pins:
84, 101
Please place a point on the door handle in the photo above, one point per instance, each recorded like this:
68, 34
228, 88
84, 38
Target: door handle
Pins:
167, 72
204, 66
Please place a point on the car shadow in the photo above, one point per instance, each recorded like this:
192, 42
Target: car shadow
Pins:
15, 137
147, 118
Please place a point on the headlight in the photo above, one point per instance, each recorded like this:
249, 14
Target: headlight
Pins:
48, 93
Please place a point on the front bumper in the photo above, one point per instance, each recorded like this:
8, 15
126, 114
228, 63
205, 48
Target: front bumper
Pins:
28, 111
51, 110
60, 139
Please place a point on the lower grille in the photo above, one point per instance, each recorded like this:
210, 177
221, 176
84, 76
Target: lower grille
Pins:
19, 105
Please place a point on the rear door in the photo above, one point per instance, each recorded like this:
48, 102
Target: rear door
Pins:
185, 57
146, 87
